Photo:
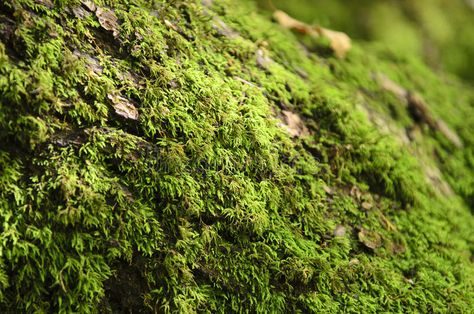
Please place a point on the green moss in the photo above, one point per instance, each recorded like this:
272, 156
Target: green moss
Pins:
205, 203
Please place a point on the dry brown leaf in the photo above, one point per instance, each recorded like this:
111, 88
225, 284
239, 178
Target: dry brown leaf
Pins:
123, 107
370, 239
108, 20
293, 124
339, 41
288, 22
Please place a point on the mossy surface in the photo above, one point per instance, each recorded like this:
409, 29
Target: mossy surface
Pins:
202, 201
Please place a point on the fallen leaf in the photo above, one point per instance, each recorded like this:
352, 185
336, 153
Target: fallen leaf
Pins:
290, 23
293, 124
123, 107
340, 43
108, 20
370, 239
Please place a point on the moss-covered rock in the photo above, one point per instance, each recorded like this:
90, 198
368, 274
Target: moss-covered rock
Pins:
180, 157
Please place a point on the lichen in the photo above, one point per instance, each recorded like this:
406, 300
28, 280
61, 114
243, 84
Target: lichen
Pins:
203, 201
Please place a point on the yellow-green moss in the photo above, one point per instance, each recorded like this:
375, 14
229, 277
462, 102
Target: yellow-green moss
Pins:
205, 203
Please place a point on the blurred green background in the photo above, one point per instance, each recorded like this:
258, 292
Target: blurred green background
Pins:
439, 31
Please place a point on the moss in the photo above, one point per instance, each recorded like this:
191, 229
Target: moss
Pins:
204, 203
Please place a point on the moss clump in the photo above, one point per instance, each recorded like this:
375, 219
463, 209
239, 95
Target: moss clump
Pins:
144, 168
